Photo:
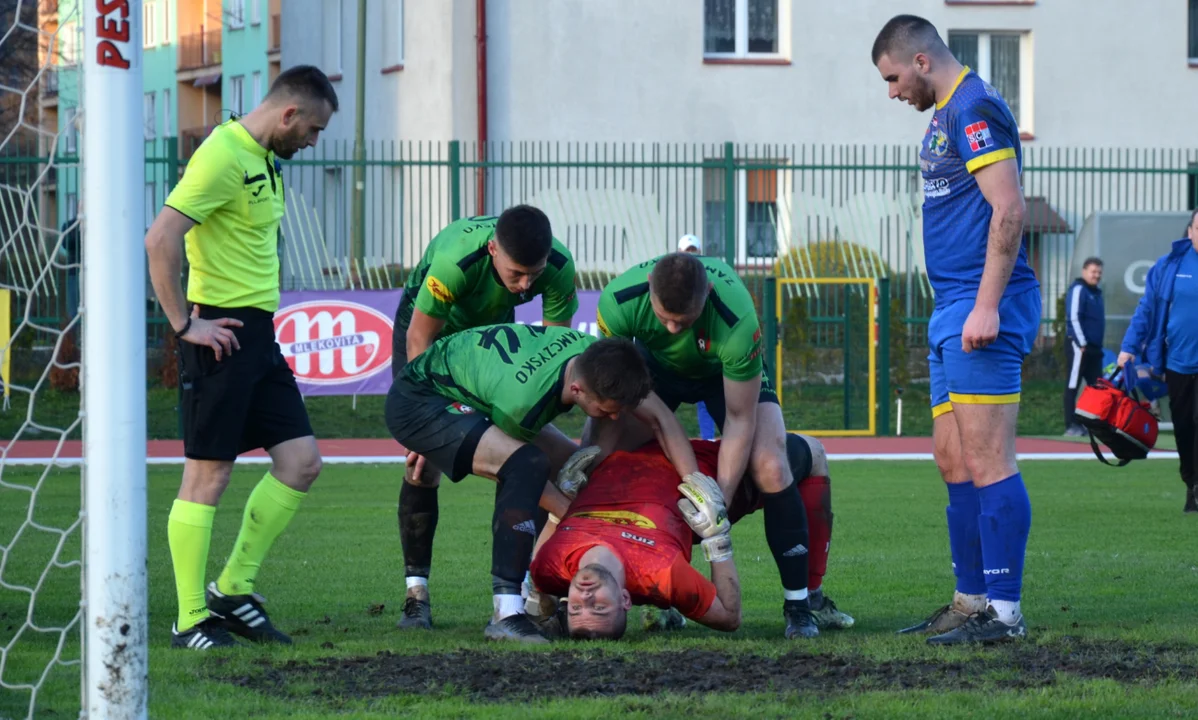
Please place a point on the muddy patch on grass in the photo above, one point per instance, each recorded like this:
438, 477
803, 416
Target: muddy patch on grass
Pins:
593, 672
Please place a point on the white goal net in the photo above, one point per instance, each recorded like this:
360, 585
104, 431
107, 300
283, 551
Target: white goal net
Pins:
72, 428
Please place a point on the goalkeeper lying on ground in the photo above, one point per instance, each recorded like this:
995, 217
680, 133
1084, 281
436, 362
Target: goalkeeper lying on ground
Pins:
626, 541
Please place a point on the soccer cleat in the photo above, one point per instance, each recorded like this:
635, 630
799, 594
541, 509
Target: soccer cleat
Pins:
799, 620
827, 615
417, 610
514, 627
949, 617
656, 620
984, 628
206, 634
1191, 505
244, 615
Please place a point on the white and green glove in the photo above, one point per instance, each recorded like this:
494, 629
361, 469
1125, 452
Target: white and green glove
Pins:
702, 506
574, 475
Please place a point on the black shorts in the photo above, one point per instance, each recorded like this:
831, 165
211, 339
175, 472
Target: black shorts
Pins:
441, 429
748, 498
674, 389
246, 401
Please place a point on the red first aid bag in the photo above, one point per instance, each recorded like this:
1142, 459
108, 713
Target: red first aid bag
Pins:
1117, 419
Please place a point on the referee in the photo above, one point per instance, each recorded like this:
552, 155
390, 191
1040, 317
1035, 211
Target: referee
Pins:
238, 392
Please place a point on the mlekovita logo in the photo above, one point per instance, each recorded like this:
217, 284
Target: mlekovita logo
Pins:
329, 342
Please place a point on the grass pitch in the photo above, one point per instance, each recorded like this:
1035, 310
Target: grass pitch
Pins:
1110, 584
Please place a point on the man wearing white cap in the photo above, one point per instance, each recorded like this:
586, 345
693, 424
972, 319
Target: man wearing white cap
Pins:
692, 244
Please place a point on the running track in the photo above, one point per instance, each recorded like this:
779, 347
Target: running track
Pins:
162, 452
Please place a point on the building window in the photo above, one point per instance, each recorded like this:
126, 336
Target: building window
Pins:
70, 133
393, 33
331, 36
756, 209
237, 94
1193, 18
256, 80
68, 43
166, 113
148, 25
149, 116
150, 206
166, 23
741, 28
235, 14
256, 12
1003, 60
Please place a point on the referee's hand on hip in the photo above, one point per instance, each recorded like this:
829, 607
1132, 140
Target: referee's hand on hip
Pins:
211, 333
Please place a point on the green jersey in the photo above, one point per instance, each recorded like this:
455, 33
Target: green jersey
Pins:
726, 339
457, 282
512, 373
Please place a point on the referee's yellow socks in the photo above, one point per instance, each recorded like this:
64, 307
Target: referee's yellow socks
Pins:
189, 531
268, 511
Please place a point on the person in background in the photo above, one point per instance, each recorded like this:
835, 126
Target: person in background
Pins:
1085, 320
692, 244
1163, 334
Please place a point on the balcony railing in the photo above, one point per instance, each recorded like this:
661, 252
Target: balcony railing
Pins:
275, 40
199, 50
190, 139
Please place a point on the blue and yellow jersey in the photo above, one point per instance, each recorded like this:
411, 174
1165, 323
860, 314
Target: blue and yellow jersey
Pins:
971, 128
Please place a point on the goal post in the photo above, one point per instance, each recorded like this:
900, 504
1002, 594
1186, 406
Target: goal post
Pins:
115, 589
826, 356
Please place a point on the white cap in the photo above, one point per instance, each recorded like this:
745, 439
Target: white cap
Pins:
686, 242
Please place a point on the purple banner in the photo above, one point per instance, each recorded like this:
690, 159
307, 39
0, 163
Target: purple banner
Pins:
338, 342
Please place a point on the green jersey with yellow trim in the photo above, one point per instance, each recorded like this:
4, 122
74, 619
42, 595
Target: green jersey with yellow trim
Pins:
512, 373
726, 339
457, 282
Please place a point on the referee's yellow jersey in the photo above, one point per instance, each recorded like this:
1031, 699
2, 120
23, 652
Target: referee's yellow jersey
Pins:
233, 190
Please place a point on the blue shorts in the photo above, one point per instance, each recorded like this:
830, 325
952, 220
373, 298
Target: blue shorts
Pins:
991, 375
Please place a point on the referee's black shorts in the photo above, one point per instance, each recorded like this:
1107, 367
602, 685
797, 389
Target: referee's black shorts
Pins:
246, 401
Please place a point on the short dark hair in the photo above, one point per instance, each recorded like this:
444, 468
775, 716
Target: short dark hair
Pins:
679, 282
613, 369
905, 35
1091, 261
524, 233
307, 81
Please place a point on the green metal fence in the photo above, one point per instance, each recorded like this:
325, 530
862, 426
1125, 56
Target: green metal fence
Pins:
770, 209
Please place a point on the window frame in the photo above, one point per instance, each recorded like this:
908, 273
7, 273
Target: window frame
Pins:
334, 32
237, 94
1026, 117
255, 12
772, 177
1192, 33
149, 113
166, 112
741, 51
393, 33
149, 24
235, 14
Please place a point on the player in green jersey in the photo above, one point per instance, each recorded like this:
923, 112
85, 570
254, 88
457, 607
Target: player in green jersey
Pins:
480, 401
696, 325
474, 272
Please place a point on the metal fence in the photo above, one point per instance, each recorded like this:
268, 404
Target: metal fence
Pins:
769, 209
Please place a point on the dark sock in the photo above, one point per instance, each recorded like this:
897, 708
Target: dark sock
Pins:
521, 481
418, 513
786, 533
1005, 522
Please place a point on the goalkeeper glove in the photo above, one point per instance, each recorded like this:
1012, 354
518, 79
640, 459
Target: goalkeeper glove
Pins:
718, 548
572, 478
706, 515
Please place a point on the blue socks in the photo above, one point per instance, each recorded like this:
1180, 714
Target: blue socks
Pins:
1004, 523
964, 539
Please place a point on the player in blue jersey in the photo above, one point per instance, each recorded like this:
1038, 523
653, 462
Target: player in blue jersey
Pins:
986, 318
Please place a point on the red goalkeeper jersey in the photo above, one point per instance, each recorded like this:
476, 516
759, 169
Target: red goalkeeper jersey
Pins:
631, 506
